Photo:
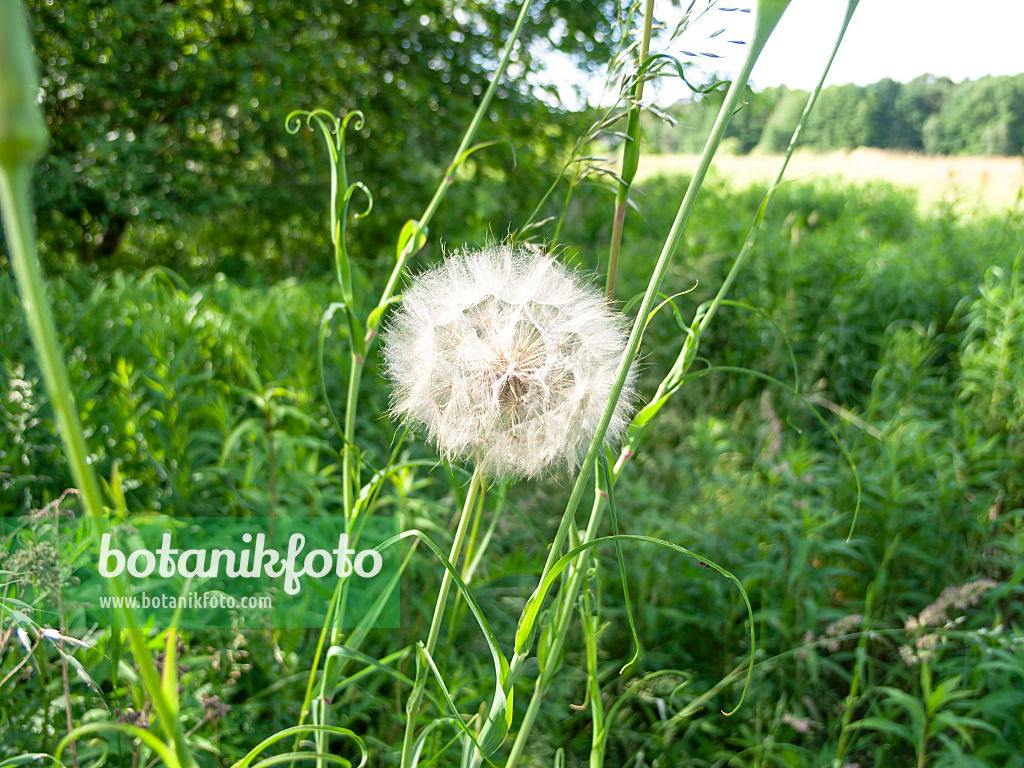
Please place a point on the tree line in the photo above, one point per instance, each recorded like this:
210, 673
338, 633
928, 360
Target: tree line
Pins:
931, 115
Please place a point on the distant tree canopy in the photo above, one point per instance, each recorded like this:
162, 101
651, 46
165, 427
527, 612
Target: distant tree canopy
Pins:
929, 114
171, 115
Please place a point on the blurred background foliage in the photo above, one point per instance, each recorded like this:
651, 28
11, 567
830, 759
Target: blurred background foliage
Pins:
905, 328
168, 145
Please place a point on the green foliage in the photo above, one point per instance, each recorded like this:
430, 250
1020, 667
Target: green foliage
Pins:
778, 127
159, 113
899, 643
902, 330
207, 402
905, 329
983, 119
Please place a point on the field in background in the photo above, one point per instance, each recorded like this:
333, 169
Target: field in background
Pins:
989, 182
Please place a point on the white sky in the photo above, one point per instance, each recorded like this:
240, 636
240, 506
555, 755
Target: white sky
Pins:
900, 39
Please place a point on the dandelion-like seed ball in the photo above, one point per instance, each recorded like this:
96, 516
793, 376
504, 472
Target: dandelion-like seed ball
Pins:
508, 360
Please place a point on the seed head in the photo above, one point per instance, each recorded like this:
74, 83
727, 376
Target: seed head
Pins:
507, 359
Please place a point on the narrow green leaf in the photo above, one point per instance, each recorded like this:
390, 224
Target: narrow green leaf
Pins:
608, 488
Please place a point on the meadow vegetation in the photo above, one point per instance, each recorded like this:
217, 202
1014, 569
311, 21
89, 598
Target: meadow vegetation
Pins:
903, 330
971, 185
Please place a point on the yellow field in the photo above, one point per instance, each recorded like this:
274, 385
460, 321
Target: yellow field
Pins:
971, 182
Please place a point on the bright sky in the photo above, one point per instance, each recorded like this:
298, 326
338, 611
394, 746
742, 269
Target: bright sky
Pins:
900, 39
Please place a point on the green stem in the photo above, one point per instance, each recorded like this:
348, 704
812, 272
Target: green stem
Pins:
416, 697
560, 631
22, 141
768, 15
630, 154
590, 629
355, 375
616, 245
764, 24
478, 117
748, 243
689, 351
14, 196
860, 654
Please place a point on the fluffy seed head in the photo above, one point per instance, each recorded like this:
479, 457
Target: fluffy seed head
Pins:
507, 359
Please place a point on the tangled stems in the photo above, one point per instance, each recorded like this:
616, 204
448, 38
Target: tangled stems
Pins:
412, 707
768, 13
767, 16
689, 352
411, 239
561, 618
563, 612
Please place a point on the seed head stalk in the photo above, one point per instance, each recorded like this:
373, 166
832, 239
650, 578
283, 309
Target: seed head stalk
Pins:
506, 359
415, 701
412, 245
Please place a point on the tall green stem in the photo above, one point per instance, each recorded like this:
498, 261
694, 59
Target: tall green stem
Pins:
768, 14
355, 375
630, 154
562, 614
435, 202
689, 351
748, 243
562, 617
22, 140
358, 359
412, 708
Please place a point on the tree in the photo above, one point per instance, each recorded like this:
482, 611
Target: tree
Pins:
843, 118
778, 129
917, 101
171, 114
984, 116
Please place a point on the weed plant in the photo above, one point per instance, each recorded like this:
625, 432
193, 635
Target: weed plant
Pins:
895, 641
